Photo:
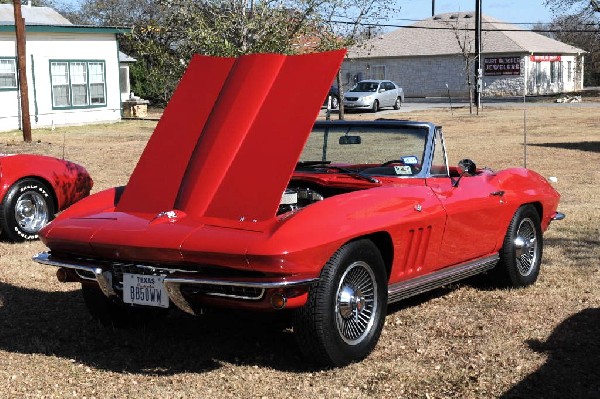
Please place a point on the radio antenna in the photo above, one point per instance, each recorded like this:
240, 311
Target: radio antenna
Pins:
64, 143
524, 131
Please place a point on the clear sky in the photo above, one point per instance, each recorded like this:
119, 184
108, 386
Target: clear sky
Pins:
530, 11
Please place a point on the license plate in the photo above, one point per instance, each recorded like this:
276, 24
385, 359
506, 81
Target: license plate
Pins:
145, 290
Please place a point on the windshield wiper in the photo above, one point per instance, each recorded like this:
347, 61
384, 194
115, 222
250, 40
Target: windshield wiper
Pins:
326, 165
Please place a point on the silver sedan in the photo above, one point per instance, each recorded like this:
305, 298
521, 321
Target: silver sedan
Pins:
373, 95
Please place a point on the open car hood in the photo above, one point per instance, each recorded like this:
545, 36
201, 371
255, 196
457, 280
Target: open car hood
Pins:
231, 135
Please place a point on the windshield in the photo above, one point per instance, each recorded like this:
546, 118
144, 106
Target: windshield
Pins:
363, 87
383, 150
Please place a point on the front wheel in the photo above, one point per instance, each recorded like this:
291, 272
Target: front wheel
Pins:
27, 207
521, 253
344, 315
375, 106
335, 103
398, 103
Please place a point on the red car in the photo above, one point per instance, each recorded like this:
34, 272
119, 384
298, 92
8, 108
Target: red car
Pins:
226, 209
33, 188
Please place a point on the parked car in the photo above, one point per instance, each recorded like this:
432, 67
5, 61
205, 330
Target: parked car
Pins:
334, 95
369, 213
33, 188
374, 95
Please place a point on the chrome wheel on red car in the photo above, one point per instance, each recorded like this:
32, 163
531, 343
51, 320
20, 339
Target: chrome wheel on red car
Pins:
343, 317
521, 254
356, 302
31, 212
526, 243
27, 207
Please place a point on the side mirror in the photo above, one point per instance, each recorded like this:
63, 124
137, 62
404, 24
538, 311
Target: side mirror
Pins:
467, 166
381, 90
349, 140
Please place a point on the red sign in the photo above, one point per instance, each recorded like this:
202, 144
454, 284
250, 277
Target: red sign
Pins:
544, 58
502, 66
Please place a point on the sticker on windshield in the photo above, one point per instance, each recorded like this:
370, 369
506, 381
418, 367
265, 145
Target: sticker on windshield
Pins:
410, 160
403, 170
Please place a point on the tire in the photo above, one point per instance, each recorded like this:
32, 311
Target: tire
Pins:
27, 207
334, 328
335, 102
375, 106
113, 313
521, 254
398, 103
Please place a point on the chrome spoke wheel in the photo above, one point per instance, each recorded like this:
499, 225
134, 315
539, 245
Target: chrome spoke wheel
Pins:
356, 302
526, 247
31, 212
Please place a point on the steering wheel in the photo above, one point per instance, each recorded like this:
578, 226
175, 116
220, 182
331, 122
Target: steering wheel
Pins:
393, 161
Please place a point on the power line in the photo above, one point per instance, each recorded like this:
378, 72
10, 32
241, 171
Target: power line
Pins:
500, 22
452, 28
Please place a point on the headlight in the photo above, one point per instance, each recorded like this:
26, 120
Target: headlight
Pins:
366, 98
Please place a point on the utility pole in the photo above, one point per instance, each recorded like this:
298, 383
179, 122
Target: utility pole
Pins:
478, 84
432, 8
22, 71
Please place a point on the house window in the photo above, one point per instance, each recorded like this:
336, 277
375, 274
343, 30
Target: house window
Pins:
569, 71
124, 79
378, 72
8, 74
78, 83
97, 84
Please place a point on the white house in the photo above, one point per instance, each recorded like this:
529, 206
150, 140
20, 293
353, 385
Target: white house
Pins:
426, 56
72, 71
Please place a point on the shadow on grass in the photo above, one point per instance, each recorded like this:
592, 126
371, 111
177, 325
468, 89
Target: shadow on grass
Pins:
583, 251
572, 368
58, 324
589, 146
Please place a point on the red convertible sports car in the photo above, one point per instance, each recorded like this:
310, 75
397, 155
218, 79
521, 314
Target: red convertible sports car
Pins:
263, 209
33, 188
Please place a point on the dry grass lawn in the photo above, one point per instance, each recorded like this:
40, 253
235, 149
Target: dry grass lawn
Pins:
461, 341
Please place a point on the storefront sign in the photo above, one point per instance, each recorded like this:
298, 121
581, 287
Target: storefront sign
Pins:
502, 66
544, 58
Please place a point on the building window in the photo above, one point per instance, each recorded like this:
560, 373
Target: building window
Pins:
124, 79
8, 74
556, 72
78, 83
97, 84
569, 71
378, 72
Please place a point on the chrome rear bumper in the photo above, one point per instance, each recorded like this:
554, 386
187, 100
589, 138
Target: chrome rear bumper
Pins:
248, 289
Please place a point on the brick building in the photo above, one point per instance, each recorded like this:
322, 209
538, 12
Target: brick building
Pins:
427, 56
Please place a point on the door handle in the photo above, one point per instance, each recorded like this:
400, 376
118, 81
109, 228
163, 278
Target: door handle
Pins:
497, 193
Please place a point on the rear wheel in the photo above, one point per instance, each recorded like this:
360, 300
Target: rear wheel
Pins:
27, 207
343, 318
375, 106
398, 103
521, 253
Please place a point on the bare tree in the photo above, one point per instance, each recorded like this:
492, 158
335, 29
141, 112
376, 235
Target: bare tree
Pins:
577, 22
574, 6
466, 43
